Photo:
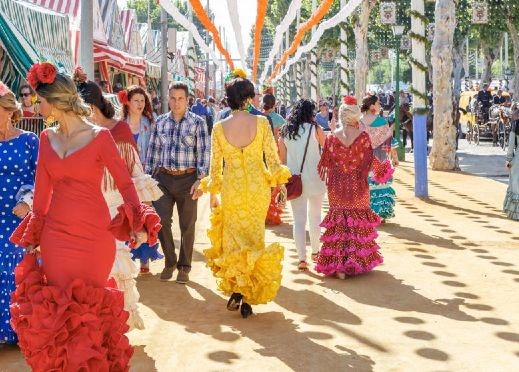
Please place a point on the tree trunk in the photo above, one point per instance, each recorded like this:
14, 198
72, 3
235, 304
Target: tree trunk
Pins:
360, 30
515, 43
443, 153
458, 59
489, 56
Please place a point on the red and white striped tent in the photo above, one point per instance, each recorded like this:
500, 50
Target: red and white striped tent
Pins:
104, 49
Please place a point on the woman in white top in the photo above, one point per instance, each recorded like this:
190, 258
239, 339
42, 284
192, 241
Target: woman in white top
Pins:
294, 135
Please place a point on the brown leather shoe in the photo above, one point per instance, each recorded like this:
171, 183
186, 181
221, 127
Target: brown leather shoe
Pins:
167, 273
182, 276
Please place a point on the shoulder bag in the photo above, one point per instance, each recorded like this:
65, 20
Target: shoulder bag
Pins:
294, 185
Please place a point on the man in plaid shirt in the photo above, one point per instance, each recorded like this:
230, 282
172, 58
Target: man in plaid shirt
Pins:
178, 158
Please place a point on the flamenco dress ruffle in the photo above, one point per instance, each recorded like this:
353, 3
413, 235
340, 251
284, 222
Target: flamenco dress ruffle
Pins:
382, 198
255, 273
77, 328
349, 242
9, 259
146, 253
511, 205
124, 270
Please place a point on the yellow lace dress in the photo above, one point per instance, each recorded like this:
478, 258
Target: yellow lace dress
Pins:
238, 257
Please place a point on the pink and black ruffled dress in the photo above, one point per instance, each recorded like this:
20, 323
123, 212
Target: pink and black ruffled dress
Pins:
349, 245
65, 313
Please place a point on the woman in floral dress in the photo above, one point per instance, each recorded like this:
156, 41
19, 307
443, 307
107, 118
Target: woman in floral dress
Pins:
349, 246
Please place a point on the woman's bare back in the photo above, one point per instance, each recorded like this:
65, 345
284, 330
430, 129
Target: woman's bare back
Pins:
240, 129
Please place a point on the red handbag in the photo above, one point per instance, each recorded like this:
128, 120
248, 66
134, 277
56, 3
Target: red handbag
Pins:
294, 185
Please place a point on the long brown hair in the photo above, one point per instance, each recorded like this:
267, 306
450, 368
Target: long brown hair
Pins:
148, 110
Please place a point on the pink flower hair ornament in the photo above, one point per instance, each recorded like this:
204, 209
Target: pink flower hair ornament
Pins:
4, 89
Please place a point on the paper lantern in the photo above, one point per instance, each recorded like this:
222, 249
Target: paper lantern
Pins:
405, 43
388, 13
480, 13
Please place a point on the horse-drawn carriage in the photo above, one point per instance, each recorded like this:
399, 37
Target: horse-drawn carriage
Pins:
479, 122
493, 123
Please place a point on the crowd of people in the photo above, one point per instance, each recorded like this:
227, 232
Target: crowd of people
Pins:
85, 205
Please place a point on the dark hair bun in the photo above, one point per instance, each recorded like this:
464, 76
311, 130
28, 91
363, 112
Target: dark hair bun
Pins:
107, 109
367, 102
92, 94
238, 91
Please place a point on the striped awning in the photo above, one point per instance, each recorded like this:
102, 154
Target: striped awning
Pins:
45, 31
16, 54
109, 43
109, 11
119, 59
72, 8
153, 70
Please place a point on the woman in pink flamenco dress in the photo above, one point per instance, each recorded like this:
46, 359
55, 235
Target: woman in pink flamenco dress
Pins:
349, 246
65, 316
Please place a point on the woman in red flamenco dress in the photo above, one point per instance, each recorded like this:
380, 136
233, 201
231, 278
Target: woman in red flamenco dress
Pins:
349, 246
63, 313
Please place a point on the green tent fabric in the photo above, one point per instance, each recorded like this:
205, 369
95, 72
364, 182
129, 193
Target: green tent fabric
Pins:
45, 30
8, 74
20, 52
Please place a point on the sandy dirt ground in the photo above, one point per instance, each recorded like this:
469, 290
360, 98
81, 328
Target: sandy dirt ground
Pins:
445, 299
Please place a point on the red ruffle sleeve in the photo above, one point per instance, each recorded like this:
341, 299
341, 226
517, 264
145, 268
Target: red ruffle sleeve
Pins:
382, 171
132, 217
28, 231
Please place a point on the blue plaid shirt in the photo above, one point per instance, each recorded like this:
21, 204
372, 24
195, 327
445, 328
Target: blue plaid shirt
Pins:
179, 146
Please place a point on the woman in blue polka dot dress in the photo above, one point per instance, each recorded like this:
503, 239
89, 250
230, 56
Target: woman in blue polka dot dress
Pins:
18, 153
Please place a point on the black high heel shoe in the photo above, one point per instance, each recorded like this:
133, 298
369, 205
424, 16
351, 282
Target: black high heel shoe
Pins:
245, 310
234, 302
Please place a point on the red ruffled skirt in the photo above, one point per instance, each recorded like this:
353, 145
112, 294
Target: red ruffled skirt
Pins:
77, 328
349, 245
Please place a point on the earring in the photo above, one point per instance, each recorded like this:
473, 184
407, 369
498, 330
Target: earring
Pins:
51, 119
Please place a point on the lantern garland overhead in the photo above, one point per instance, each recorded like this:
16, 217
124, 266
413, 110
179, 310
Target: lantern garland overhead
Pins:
278, 34
319, 13
343, 14
209, 25
189, 26
232, 7
260, 20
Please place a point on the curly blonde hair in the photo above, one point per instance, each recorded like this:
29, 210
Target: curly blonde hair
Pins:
349, 114
9, 103
63, 95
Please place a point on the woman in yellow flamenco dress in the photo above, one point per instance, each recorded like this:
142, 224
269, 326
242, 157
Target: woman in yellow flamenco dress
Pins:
244, 167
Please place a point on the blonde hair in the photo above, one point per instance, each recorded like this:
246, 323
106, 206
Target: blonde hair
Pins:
349, 114
63, 95
9, 103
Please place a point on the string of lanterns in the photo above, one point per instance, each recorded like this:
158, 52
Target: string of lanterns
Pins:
316, 17
260, 20
284, 25
203, 17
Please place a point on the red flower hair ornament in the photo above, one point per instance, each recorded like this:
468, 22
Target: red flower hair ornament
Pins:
41, 73
350, 100
123, 96
79, 75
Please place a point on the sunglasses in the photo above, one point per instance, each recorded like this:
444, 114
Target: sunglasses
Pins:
25, 94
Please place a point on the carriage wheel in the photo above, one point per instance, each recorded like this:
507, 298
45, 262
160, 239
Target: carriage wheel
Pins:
475, 135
